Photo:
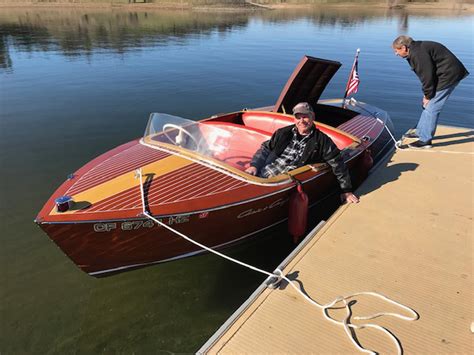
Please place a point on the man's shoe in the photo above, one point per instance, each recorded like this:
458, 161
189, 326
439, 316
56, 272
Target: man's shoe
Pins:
411, 133
420, 145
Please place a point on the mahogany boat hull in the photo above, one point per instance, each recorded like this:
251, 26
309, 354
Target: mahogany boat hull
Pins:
111, 246
106, 246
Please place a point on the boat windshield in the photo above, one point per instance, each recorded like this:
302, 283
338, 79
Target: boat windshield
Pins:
230, 143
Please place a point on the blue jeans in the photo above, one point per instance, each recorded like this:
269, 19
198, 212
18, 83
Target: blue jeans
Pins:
426, 127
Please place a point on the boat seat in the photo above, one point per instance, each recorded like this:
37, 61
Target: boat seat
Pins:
237, 148
266, 121
270, 122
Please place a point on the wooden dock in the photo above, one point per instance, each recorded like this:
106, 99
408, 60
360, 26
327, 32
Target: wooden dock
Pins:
410, 238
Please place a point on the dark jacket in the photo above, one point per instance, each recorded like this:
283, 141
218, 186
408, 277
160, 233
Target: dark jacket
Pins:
435, 65
319, 148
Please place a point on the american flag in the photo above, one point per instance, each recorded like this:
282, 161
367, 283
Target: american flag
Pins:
353, 82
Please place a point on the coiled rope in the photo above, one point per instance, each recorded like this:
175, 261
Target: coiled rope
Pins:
278, 274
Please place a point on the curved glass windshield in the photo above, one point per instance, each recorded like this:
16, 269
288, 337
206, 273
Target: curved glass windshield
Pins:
231, 143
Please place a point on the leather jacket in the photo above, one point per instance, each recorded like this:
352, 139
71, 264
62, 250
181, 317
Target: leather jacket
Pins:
319, 149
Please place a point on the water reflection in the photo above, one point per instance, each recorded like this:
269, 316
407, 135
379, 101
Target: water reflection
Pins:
78, 32
81, 32
5, 58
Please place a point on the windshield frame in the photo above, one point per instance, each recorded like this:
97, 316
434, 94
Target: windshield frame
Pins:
155, 129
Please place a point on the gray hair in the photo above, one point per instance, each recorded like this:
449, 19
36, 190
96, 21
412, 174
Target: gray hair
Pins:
402, 41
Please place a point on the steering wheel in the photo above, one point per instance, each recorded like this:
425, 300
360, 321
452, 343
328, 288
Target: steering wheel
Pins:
179, 137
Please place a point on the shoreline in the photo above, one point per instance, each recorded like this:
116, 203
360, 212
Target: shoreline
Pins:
422, 6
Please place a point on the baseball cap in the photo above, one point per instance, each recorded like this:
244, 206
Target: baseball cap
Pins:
304, 108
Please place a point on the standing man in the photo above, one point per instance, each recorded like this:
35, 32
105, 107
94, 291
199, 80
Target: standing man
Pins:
299, 144
439, 72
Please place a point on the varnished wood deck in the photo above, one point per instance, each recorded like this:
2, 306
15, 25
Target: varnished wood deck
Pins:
410, 238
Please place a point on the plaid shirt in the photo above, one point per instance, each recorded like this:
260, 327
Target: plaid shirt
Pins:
288, 160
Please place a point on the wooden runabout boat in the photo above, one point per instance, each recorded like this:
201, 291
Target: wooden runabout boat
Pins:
195, 180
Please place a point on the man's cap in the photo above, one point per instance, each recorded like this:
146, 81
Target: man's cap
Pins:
304, 108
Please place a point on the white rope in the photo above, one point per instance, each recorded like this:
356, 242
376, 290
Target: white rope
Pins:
398, 143
324, 307
147, 214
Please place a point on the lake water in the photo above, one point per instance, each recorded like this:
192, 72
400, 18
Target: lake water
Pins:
76, 83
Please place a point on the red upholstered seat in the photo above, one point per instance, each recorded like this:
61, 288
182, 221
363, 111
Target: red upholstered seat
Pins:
238, 147
340, 140
236, 144
266, 121
270, 122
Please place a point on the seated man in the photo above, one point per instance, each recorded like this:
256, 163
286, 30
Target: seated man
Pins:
300, 144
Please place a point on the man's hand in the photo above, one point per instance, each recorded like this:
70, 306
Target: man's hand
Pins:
425, 101
251, 170
349, 197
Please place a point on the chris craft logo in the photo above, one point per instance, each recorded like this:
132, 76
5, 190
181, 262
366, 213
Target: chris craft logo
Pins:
278, 203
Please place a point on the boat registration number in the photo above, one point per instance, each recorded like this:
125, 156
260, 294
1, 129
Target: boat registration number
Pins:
125, 226
134, 225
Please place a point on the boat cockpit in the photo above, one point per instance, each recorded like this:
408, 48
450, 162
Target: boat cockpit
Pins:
231, 139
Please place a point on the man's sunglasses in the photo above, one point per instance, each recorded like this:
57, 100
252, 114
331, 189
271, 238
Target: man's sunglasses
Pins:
301, 117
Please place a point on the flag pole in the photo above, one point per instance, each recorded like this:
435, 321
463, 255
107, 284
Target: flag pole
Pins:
350, 77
